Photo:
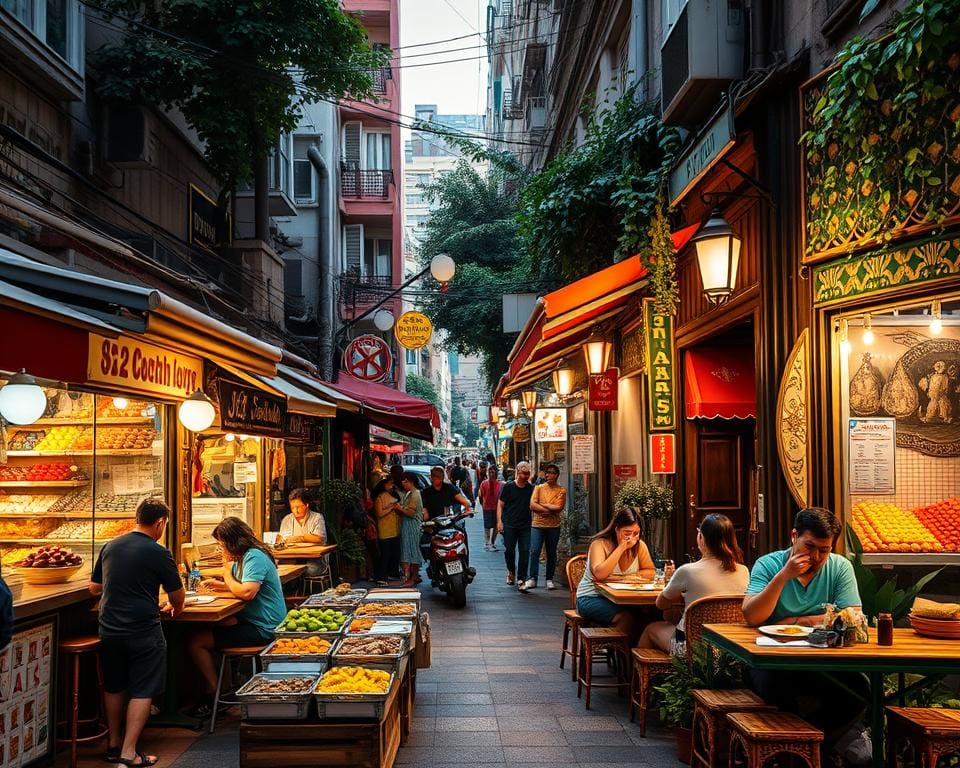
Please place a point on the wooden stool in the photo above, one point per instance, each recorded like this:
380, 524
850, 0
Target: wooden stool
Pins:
251, 652
711, 739
592, 641
933, 733
572, 622
75, 648
647, 662
755, 737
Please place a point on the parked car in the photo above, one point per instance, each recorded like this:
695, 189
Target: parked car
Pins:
425, 459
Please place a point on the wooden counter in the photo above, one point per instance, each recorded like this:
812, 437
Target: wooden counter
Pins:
35, 599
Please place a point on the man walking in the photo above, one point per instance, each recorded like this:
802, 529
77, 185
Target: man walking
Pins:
547, 504
127, 577
513, 522
488, 497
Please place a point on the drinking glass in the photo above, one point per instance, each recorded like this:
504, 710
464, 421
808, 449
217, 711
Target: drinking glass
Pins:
659, 572
668, 569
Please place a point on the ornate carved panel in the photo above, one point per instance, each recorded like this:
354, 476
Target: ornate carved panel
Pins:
793, 420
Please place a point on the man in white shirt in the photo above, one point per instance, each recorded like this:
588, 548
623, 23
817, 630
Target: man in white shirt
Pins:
302, 525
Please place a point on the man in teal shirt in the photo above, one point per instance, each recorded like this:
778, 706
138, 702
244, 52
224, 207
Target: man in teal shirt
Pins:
791, 587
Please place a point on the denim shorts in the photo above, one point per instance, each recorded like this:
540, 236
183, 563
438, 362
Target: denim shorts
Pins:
597, 608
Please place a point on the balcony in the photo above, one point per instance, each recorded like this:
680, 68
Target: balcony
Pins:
357, 292
380, 77
536, 113
366, 184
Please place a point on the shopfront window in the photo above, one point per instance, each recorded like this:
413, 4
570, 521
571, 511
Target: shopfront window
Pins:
226, 482
899, 393
73, 479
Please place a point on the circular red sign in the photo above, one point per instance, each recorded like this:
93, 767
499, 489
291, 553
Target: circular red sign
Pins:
368, 358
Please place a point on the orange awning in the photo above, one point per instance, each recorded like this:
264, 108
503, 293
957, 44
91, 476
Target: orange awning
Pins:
720, 383
563, 319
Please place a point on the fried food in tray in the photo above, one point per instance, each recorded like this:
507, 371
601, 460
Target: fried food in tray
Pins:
376, 645
283, 685
354, 680
386, 609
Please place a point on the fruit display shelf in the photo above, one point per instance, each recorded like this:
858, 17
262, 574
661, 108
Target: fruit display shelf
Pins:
88, 422
99, 452
43, 483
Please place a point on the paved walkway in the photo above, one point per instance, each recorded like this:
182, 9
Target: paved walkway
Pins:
494, 695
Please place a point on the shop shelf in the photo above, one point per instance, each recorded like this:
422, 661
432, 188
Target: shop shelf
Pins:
101, 452
71, 515
31, 542
43, 483
88, 422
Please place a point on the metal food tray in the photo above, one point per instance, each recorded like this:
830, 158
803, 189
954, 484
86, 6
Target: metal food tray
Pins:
386, 661
353, 705
302, 663
281, 632
275, 706
346, 604
406, 629
398, 616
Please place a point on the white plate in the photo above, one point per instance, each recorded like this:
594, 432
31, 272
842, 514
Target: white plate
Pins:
793, 631
199, 600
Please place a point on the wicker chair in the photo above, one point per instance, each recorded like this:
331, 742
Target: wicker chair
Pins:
572, 621
647, 662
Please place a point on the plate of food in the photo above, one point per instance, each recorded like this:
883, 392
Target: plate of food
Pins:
199, 600
789, 631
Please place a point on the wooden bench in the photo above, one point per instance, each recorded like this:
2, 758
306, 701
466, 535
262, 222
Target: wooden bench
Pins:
755, 737
933, 733
711, 737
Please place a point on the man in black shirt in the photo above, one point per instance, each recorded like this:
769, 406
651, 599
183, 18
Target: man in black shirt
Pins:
514, 521
440, 496
127, 577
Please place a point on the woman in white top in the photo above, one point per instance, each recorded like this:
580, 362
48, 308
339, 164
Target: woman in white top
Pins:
719, 571
616, 551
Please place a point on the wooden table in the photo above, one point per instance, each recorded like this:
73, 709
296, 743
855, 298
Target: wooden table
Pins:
909, 653
622, 596
288, 572
313, 552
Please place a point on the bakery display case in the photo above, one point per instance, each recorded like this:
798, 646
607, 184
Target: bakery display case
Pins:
73, 479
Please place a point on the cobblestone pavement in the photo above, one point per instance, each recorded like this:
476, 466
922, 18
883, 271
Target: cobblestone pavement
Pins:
495, 694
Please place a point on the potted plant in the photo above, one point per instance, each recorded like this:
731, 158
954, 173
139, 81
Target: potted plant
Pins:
353, 554
708, 669
654, 504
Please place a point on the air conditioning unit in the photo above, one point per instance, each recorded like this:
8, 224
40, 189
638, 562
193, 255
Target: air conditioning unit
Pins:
701, 55
130, 140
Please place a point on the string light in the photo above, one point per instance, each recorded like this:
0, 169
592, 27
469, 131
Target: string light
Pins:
868, 335
936, 323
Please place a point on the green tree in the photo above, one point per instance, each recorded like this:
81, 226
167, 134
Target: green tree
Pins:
422, 387
238, 70
460, 423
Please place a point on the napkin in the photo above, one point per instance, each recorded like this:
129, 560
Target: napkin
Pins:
931, 609
770, 642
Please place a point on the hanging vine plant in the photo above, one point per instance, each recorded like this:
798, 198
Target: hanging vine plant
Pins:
662, 262
883, 138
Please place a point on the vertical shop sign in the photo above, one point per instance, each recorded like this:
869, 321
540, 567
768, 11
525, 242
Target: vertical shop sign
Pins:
583, 451
603, 390
660, 368
872, 444
623, 474
663, 454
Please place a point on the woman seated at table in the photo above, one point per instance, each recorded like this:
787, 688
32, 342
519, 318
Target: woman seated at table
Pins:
616, 551
719, 571
249, 574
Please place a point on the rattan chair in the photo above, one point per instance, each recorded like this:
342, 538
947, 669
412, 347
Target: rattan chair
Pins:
648, 662
573, 621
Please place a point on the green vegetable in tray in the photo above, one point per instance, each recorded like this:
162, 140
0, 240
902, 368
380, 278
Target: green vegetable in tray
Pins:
313, 620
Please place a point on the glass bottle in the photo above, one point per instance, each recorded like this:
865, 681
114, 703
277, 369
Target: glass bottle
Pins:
884, 629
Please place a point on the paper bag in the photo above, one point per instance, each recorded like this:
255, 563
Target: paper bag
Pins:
421, 649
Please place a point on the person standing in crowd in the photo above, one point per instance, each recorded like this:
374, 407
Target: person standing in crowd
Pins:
127, 578
488, 495
513, 522
547, 503
617, 550
411, 529
386, 509
719, 571
791, 587
458, 475
441, 496
250, 574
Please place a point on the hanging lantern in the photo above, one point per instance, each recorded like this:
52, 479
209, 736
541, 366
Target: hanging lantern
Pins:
529, 400
494, 414
718, 257
22, 400
563, 377
514, 406
197, 413
596, 353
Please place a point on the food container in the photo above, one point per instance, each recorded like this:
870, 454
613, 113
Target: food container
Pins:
399, 595
362, 706
386, 661
376, 608
346, 603
52, 575
258, 705
301, 663
382, 626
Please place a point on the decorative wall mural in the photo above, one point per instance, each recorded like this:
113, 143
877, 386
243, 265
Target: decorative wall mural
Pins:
793, 411
866, 388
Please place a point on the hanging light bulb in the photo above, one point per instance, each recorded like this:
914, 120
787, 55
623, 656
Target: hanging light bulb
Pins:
120, 403
596, 353
936, 323
868, 335
196, 413
383, 320
22, 400
845, 347
229, 437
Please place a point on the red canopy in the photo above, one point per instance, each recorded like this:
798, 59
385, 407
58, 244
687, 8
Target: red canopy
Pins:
720, 383
391, 409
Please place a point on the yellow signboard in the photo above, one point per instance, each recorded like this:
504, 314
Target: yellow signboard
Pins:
413, 330
134, 364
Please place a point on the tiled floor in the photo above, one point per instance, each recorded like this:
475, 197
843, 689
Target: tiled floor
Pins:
495, 695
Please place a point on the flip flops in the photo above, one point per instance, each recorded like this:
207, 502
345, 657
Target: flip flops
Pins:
140, 760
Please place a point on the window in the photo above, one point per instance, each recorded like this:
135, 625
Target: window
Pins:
669, 13
56, 23
278, 171
411, 358
423, 179
304, 176
376, 151
376, 258
415, 199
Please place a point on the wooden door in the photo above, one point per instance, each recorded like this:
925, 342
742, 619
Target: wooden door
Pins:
719, 475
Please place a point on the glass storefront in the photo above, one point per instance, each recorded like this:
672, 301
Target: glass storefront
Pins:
226, 482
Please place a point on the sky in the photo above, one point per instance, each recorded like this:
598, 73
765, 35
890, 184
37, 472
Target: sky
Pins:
456, 88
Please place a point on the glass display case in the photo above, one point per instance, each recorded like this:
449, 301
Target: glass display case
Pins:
75, 477
226, 483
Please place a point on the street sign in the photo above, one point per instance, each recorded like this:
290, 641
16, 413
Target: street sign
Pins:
473, 414
583, 450
663, 454
368, 358
413, 330
603, 390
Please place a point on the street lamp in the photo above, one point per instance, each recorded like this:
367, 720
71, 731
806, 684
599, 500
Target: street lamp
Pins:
514, 405
529, 400
22, 400
494, 414
442, 267
563, 377
718, 256
383, 320
196, 413
596, 353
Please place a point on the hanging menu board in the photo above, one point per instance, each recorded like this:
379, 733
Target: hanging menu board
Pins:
583, 451
25, 696
872, 445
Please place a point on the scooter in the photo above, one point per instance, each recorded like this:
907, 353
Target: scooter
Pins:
448, 557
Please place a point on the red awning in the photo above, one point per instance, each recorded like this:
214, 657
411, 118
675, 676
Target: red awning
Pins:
563, 319
720, 383
391, 409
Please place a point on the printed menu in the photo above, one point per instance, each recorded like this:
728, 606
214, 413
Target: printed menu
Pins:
25, 685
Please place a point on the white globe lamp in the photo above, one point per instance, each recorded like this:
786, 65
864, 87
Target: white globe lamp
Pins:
383, 319
442, 267
197, 413
22, 400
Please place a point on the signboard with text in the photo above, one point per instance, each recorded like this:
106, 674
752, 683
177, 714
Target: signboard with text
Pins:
873, 444
603, 390
133, 364
661, 378
712, 144
550, 425
368, 358
583, 454
413, 330
245, 409
623, 474
209, 223
663, 454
